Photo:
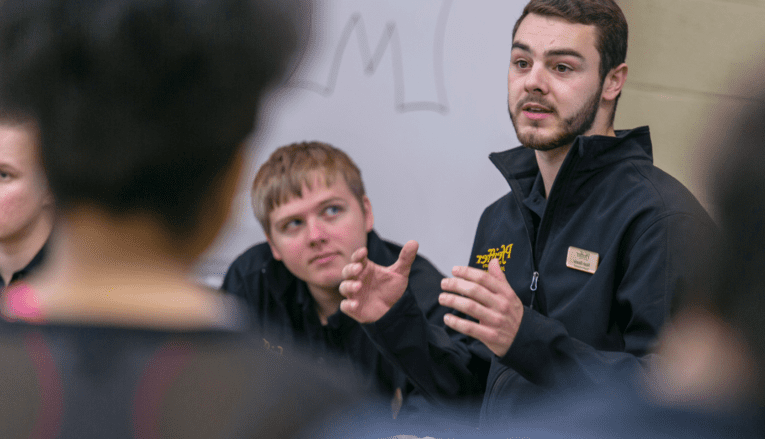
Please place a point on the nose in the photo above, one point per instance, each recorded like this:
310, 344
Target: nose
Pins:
317, 232
535, 80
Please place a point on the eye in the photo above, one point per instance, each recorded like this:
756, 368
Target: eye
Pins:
333, 210
521, 64
4, 175
292, 224
562, 68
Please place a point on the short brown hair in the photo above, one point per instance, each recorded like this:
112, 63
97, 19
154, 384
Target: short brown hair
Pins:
290, 167
605, 15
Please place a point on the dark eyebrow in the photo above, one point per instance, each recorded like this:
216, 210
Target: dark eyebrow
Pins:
517, 45
553, 52
564, 52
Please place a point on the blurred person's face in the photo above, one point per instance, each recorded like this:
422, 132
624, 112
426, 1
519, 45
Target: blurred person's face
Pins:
24, 196
554, 85
316, 234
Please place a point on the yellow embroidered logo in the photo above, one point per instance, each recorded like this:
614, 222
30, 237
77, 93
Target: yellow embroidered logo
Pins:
502, 253
278, 350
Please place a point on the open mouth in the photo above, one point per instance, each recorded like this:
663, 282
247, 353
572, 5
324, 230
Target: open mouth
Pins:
535, 108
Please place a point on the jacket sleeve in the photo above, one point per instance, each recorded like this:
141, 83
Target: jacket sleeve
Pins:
444, 366
660, 262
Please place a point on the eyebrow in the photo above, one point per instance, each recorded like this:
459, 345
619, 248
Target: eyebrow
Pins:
553, 52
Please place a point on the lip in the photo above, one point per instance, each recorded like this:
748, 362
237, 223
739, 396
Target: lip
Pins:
534, 106
536, 111
536, 116
323, 258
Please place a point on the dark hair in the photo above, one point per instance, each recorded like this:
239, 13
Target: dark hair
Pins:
143, 103
605, 15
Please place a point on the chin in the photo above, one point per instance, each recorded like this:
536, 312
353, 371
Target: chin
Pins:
539, 141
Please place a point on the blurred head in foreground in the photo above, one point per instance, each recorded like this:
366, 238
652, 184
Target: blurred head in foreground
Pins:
714, 353
723, 325
143, 108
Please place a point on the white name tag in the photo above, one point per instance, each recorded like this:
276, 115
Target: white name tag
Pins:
582, 260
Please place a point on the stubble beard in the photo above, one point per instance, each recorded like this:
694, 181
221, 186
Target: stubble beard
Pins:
572, 127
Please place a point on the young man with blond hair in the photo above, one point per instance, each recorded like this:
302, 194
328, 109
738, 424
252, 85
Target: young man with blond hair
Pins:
310, 200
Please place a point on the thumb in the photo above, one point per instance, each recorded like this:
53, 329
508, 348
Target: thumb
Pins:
406, 258
494, 269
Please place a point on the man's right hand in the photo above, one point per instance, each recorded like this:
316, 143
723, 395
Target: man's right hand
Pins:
370, 290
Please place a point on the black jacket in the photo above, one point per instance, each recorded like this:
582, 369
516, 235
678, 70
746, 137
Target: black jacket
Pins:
283, 308
607, 200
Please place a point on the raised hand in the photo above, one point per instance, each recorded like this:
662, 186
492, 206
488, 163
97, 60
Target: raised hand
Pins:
370, 290
487, 297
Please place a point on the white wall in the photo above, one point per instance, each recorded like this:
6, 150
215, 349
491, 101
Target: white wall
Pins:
415, 92
421, 119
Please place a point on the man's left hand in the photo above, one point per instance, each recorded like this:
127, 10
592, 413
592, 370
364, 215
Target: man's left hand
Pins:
487, 297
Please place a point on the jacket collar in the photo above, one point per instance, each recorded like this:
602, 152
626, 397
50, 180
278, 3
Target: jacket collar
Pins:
595, 152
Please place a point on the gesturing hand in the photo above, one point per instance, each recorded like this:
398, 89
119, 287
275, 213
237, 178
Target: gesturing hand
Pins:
370, 290
487, 297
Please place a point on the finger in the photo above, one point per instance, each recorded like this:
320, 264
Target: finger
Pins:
352, 270
491, 281
349, 307
495, 270
406, 258
348, 288
359, 255
468, 327
465, 305
472, 290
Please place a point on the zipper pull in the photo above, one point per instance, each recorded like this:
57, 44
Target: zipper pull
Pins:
533, 289
534, 281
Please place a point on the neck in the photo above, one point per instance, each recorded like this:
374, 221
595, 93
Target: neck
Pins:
18, 251
550, 161
123, 272
327, 301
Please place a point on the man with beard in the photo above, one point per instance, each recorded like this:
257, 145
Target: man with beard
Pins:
574, 271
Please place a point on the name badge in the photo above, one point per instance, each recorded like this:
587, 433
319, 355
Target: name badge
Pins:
582, 260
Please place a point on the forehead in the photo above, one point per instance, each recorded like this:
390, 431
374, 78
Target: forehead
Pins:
314, 196
17, 146
544, 35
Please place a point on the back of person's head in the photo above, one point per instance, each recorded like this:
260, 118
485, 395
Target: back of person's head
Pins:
291, 167
143, 104
605, 15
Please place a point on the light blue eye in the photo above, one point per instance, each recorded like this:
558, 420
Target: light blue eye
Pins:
333, 210
293, 224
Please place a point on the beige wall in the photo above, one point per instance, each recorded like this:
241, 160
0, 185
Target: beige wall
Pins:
684, 58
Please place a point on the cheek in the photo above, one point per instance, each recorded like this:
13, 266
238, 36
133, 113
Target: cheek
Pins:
15, 206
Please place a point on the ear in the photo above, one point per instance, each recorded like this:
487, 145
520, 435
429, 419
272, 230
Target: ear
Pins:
369, 217
614, 82
274, 250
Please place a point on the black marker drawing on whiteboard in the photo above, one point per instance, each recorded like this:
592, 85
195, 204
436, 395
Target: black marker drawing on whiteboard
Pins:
389, 39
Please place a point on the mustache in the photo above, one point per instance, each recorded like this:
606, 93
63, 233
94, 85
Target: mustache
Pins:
535, 100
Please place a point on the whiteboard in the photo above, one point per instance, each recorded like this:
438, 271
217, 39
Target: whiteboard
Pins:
416, 93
